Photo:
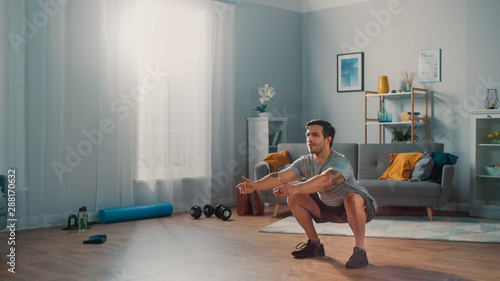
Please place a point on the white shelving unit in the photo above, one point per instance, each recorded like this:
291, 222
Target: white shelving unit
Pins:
485, 189
413, 123
264, 135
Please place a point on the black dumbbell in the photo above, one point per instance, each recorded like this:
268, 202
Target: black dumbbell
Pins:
208, 210
223, 212
196, 211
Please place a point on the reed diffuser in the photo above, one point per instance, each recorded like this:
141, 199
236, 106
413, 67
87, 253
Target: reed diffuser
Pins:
408, 78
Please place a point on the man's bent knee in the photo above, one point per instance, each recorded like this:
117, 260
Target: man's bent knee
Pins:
354, 200
297, 199
303, 201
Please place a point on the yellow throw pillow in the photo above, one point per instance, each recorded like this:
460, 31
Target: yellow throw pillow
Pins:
277, 159
400, 166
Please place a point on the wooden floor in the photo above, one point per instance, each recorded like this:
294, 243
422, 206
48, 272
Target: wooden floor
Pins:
181, 248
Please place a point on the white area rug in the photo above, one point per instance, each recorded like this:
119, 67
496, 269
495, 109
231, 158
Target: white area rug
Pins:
406, 227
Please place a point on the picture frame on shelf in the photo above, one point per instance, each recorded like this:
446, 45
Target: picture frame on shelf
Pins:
350, 72
429, 65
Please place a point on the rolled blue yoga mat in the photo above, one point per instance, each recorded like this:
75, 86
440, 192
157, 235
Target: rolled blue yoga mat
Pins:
135, 213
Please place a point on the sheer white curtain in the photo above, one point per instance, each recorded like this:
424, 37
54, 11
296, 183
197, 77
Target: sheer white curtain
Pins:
224, 167
173, 41
12, 90
115, 160
167, 50
164, 130
49, 193
34, 115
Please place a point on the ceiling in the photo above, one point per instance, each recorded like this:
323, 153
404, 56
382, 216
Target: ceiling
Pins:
304, 6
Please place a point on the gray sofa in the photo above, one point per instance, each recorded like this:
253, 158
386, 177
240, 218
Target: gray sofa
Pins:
369, 161
3, 201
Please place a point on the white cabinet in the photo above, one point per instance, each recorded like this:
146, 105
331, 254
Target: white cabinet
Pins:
264, 134
485, 189
398, 97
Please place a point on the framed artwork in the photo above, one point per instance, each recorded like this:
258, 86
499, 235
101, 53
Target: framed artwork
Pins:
429, 66
350, 72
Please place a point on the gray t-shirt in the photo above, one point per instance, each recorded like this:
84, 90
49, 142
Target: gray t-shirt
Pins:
332, 195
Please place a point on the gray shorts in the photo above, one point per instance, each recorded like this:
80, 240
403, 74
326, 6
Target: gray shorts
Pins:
338, 214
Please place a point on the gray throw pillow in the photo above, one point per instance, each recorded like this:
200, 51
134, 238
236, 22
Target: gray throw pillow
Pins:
283, 167
423, 168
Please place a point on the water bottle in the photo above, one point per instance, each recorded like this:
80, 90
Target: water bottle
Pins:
382, 114
82, 219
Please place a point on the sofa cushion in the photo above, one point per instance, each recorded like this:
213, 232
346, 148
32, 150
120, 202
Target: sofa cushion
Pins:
401, 165
276, 160
423, 168
441, 159
3, 205
295, 150
374, 158
284, 167
3, 197
350, 151
390, 188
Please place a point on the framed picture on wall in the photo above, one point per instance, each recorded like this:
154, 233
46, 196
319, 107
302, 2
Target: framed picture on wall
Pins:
429, 66
350, 73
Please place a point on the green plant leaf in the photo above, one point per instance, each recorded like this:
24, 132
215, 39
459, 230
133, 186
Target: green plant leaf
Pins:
401, 135
261, 108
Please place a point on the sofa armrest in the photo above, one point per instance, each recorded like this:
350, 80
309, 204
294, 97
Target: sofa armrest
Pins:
446, 185
262, 169
3, 184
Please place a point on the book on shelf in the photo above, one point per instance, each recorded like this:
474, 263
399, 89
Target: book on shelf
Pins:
276, 137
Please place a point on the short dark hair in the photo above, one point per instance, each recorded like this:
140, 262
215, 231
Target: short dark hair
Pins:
328, 129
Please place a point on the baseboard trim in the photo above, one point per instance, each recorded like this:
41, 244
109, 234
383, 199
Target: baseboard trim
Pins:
456, 207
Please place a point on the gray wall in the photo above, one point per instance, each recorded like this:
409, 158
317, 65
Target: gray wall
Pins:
390, 36
296, 53
267, 50
464, 30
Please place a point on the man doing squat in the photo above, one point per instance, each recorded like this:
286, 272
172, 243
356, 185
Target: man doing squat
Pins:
330, 193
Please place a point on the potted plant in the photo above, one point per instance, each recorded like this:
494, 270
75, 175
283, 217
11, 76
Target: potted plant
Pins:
495, 136
266, 94
402, 136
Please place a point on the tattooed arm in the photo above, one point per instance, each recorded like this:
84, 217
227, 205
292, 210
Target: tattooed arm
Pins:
267, 182
314, 184
335, 177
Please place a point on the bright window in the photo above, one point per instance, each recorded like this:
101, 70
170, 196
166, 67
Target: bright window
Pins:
173, 112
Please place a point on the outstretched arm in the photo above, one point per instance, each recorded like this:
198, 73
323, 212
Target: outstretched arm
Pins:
314, 184
269, 181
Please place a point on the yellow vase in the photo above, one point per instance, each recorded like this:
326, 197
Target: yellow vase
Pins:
383, 85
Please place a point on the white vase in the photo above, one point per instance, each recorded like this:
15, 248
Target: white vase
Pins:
265, 114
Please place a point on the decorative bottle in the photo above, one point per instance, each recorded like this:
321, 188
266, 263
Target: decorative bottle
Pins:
382, 114
82, 219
